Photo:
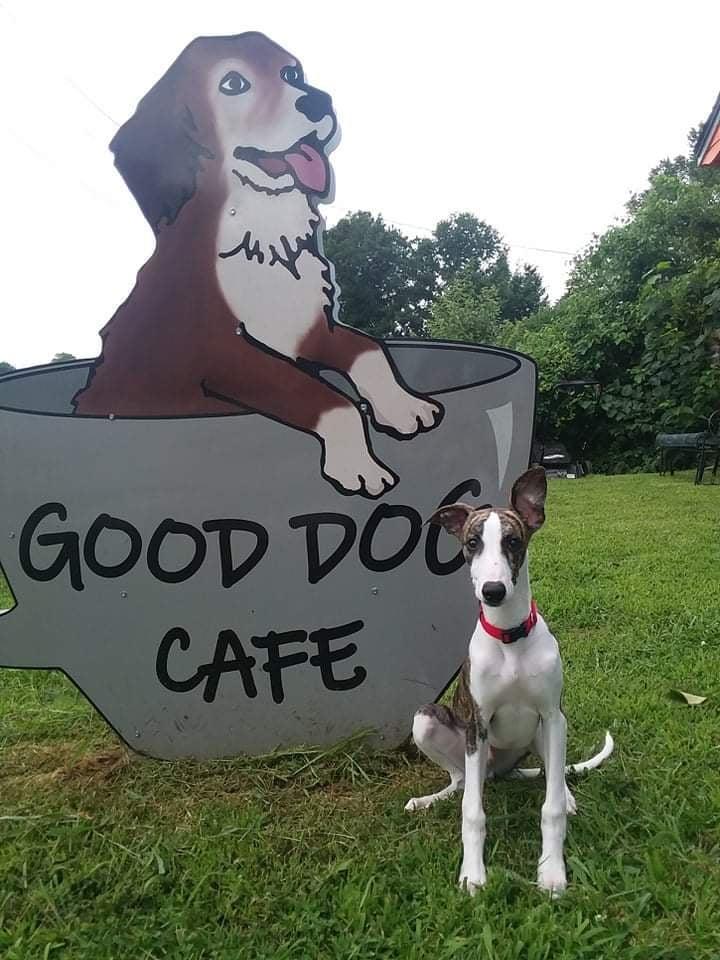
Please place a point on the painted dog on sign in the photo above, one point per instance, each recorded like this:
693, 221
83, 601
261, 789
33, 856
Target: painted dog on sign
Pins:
236, 310
508, 694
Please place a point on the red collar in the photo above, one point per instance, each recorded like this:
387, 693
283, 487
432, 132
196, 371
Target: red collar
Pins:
510, 636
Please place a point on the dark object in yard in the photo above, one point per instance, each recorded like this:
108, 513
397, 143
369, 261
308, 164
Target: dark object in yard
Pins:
704, 444
553, 455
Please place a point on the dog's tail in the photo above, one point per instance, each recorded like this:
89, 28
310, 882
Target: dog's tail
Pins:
530, 773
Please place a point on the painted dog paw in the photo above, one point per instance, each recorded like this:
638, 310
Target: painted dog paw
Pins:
407, 414
359, 472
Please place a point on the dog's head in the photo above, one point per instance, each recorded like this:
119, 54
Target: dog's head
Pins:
495, 541
234, 107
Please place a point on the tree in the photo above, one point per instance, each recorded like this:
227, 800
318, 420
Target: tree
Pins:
641, 315
389, 282
385, 279
62, 358
463, 242
464, 312
6, 367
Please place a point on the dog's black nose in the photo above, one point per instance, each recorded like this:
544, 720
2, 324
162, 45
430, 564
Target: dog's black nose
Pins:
315, 105
493, 592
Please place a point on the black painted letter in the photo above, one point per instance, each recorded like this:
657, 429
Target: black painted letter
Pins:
385, 512
318, 569
325, 657
69, 542
231, 574
177, 686
153, 553
275, 663
106, 522
241, 662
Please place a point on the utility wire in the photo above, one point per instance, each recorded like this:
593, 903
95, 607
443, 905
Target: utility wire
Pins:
518, 246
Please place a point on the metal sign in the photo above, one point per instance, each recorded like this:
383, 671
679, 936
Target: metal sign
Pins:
216, 528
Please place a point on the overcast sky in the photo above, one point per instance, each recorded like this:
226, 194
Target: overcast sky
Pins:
540, 117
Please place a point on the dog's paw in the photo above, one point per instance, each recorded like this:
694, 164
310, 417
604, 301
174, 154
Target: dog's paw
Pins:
358, 472
551, 877
418, 803
406, 414
471, 884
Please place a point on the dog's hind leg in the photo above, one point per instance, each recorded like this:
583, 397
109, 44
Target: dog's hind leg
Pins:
439, 736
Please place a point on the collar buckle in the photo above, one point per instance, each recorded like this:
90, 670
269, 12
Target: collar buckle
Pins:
515, 633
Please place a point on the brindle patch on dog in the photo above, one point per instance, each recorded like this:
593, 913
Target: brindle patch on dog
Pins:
463, 706
441, 713
515, 537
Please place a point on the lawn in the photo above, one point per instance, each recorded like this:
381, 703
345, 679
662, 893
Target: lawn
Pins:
303, 855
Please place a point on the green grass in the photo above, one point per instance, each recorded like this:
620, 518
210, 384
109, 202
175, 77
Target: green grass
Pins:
306, 855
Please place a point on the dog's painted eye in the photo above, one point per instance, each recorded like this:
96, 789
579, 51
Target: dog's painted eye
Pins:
292, 75
472, 543
233, 83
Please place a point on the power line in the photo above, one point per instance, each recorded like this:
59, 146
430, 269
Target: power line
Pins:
518, 246
66, 78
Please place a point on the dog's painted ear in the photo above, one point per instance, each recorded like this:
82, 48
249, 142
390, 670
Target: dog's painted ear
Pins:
157, 153
528, 497
453, 517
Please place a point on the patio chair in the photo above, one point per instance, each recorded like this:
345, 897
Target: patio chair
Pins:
704, 444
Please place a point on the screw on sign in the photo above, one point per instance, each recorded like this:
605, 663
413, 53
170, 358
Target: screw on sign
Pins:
216, 529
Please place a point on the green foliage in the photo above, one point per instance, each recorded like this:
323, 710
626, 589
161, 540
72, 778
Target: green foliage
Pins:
463, 242
6, 367
63, 358
385, 279
470, 247
641, 315
462, 312
389, 283
309, 855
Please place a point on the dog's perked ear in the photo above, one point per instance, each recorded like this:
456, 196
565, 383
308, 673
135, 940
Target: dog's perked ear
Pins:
453, 517
157, 153
528, 497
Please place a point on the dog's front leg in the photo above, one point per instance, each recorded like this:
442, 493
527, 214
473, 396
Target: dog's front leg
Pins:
366, 363
472, 872
551, 867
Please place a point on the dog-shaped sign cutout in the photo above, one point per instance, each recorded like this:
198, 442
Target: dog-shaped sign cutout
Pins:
167, 535
236, 310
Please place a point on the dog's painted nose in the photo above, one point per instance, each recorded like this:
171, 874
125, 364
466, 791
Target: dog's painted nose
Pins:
315, 105
493, 592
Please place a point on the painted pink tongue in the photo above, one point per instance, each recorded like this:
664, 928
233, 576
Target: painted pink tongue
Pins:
309, 168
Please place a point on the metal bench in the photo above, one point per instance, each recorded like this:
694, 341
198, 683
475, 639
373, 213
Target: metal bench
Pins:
704, 444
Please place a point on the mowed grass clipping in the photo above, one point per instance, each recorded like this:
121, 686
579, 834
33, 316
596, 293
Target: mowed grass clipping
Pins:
309, 854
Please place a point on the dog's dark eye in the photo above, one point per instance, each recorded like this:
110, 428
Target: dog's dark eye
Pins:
233, 83
472, 543
292, 75
514, 543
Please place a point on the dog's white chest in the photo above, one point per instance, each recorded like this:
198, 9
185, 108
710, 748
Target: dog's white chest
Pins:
275, 306
527, 672
276, 293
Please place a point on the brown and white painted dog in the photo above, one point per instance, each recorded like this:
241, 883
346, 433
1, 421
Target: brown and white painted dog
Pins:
508, 695
227, 156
